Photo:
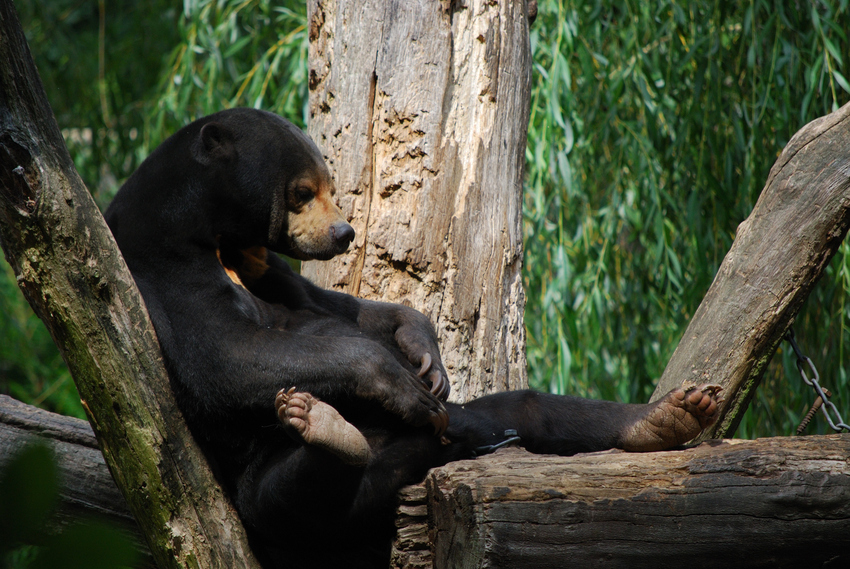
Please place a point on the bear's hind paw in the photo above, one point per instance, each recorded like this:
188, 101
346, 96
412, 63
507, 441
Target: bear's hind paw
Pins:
675, 419
313, 422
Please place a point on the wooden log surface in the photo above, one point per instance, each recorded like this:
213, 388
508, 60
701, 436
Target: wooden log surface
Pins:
421, 111
87, 489
778, 502
780, 252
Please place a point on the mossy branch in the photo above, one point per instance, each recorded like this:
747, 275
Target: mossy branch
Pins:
73, 275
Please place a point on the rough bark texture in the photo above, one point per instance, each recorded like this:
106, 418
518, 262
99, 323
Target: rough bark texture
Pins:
421, 110
779, 253
71, 272
780, 502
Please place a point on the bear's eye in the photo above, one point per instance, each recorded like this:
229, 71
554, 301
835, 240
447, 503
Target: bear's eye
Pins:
303, 194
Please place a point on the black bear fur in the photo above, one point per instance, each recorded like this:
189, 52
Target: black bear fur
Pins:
246, 180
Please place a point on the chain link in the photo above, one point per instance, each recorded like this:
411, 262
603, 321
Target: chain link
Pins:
827, 406
511, 437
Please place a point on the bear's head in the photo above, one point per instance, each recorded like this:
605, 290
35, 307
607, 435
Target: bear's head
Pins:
270, 186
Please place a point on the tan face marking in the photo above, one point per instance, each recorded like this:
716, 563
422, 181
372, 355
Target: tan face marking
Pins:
310, 220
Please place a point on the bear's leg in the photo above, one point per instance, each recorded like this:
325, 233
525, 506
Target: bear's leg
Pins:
301, 501
314, 494
316, 423
565, 425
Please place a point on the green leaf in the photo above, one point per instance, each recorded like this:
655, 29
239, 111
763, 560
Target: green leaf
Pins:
833, 51
29, 490
839, 78
88, 545
236, 47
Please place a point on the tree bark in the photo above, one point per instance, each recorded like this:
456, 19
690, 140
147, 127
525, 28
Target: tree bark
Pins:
779, 502
71, 272
421, 110
779, 253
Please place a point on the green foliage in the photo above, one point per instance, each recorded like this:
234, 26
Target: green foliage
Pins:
250, 53
31, 369
98, 76
29, 488
653, 128
29, 491
98, 81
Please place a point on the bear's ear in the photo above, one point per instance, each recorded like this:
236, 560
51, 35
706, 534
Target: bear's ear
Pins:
214, 144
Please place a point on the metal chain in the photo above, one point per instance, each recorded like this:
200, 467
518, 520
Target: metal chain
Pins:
826, 406
510, 438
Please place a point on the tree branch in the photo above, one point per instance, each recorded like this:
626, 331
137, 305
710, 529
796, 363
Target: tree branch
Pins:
779, 253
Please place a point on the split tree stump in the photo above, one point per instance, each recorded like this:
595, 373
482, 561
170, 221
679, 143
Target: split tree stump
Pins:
421, 112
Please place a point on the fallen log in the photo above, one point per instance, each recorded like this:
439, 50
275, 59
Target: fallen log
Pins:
778, 502
87, 490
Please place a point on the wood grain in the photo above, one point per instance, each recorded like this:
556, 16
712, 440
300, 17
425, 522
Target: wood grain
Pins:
87, 489
421, 111
779, 502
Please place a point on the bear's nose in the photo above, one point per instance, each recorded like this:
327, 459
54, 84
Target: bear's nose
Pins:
343, 234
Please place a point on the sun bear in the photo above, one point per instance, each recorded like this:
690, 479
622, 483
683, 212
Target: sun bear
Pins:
315, 407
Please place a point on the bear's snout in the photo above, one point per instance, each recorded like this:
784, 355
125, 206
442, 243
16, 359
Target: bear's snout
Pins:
342, 235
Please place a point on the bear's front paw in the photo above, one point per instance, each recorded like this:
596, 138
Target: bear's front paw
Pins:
418, 406
418, 342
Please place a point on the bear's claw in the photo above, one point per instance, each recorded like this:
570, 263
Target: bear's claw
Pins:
433, 379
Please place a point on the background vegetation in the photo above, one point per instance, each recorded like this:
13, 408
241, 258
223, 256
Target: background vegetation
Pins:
29, 486
653, 128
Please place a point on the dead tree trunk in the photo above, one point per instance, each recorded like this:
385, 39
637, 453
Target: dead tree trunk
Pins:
421, 111
71, 272
779, 253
